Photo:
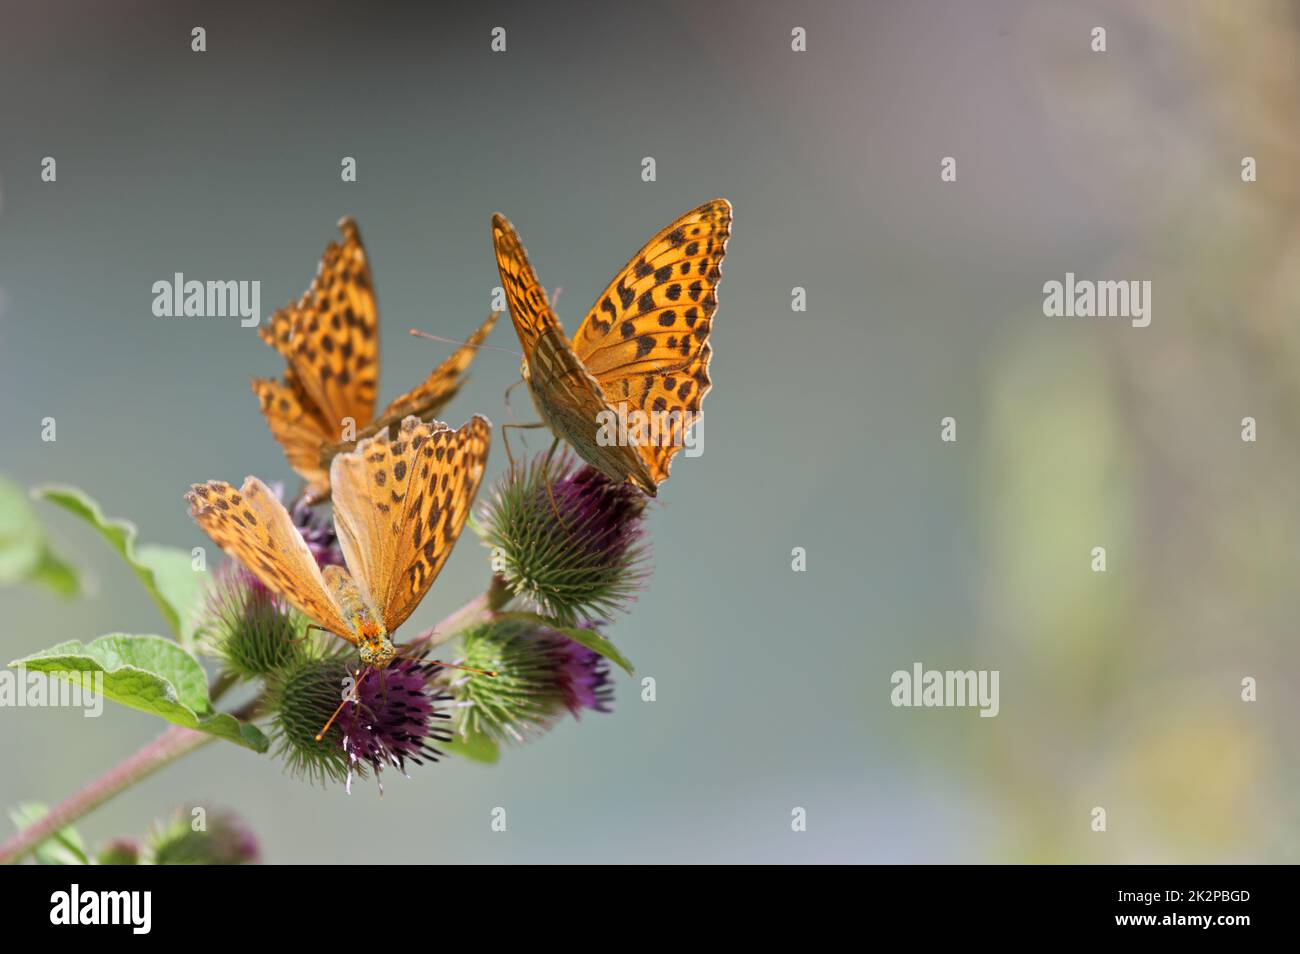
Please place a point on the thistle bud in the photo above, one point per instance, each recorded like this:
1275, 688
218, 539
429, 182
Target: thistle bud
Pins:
221, 839
583, 556
251, 630
333, 724
540, 675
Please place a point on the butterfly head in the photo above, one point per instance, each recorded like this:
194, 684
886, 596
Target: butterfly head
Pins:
375, 647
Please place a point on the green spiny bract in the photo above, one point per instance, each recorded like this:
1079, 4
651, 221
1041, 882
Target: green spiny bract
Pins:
587, 563
303, 697
252, 631
540, 675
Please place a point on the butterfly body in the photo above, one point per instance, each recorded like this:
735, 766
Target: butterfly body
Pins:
568, 400
640, 358
373, 643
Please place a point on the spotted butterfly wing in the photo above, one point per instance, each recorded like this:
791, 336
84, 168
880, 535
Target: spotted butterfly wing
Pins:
568, 399
253, 527
400, 504
298, 425
424, 401
646, 340
329, 340
643, 347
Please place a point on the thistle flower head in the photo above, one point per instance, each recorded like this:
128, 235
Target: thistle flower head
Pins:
541, 674
303, 697
584, 677
394, 719
389, 717
198, 836
587, 563
251, 630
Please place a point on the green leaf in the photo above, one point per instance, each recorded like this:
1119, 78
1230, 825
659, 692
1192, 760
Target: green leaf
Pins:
149, 673
179, 584
586, 637
50, 571
161, 569
64, 847
25, 555
474, 746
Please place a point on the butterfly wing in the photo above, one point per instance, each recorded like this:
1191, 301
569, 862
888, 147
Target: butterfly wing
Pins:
297, 424
529, 309
441, 386
646, 341
331, 343
252, 526
569, 400
400, 505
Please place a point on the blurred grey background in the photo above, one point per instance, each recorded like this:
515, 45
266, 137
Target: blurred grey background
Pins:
1118, 690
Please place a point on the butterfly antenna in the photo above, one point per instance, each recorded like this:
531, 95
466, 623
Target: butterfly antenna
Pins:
355, 687
509, 409
463, 344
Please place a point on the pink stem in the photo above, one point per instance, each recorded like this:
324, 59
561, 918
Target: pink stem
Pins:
171, 745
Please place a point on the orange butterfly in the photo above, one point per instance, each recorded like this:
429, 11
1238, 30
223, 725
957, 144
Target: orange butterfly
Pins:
399, 506
330, 342
643, 348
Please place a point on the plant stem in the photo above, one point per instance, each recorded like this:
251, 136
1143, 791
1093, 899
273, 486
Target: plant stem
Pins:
171, 745
476, 610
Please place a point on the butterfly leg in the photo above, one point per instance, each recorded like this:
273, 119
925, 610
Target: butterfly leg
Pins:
505, 438
306, 633
509, 409
546, 478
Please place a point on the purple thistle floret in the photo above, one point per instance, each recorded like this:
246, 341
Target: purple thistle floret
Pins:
234, 586
606, 515
394, 718
584, 677
318, 534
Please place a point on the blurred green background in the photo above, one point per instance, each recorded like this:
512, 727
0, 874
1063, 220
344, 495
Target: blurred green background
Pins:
1119, 690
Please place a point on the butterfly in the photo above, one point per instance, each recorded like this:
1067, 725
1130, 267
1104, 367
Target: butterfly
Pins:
399, 506
643, 348
330, 342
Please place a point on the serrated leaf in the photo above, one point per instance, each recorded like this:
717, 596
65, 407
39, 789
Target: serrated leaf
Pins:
159, 568
149, 673
63, 847
585, 637
474, 746
25, 554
